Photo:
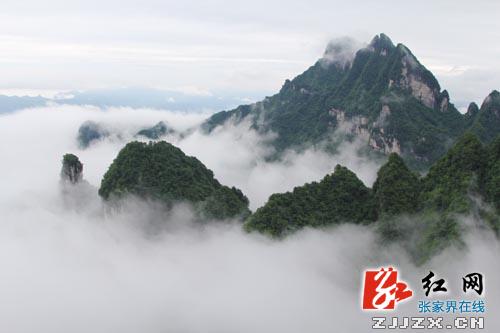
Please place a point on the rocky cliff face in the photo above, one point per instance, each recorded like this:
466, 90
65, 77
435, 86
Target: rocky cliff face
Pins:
424, 90
72, 169
76, 193
380, 93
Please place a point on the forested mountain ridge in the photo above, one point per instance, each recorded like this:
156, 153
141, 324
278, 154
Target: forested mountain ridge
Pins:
160, 171
422, 213
337, 198
383, 95
464, 182
485, 122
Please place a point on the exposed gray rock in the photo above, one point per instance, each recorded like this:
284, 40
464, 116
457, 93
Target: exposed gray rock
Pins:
76, 193
72, 169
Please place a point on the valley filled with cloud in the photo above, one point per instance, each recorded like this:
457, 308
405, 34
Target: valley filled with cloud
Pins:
72, 263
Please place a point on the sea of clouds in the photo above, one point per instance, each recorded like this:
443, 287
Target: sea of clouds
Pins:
70, 264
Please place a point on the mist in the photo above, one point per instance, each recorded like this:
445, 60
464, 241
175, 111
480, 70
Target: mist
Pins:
341, 51
69, 264
235, 153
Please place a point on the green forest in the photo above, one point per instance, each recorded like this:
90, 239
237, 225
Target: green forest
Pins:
422, 213
160, 171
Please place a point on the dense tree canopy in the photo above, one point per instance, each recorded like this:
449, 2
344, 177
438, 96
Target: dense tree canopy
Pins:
338, 197
381, 76
420, 212
396, 189
163, 172
486, 122
432, 203
491, 176
450, 179
418, 115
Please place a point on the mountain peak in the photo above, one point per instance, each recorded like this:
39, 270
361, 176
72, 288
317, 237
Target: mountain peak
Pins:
493, 97
494, 94
383, 95
472, 110
162, 172
381, 42
71, 169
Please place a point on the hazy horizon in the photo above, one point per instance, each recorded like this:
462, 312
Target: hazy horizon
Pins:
241, 49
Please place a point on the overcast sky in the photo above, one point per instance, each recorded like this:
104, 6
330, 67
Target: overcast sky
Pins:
234, 46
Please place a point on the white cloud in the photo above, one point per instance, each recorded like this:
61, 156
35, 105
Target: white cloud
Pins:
219, 46
236, 154
341, 51
80, 268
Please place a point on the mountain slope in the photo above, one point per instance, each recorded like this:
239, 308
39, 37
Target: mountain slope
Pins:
337, 198
396, 189
486, 120
383, 95
421, 213
163, 172
450, 180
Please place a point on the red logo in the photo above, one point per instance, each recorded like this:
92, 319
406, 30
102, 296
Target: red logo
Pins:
382, 290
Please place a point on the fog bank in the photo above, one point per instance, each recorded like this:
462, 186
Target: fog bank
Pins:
70, 265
